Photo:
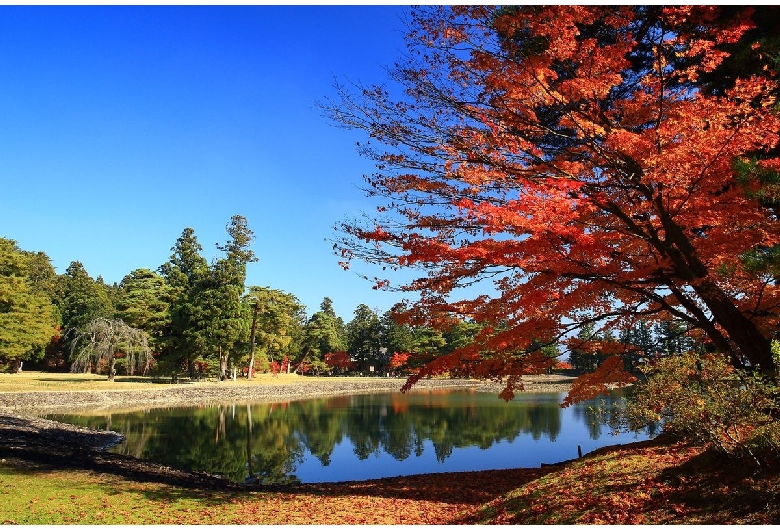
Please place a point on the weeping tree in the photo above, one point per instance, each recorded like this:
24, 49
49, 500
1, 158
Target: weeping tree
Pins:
103, 341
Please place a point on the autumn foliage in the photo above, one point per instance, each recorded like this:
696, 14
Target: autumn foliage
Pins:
339, 360
550, 167
399, 360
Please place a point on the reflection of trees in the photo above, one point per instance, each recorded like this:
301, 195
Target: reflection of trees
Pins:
596, 415
201, 439
268, 441
134, 426
363, 425
399, 437
481, 421
216, 441
277, 448
319, 430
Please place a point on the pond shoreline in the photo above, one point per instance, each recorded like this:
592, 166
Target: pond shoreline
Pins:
26, 439
35, 402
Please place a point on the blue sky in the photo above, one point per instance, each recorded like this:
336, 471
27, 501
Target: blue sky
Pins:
121, 126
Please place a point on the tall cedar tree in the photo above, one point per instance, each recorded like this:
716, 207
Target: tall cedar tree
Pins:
82, 299
221, 317
582, 159
364, 339
144, 303
186, 269
324, 332
27, 317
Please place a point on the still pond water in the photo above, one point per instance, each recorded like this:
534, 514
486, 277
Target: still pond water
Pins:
359, 437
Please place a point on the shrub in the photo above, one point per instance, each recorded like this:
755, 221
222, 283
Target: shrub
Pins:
703, 399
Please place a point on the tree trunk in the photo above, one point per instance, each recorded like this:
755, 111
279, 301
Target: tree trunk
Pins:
223, 364
746, 344
250, 370
250, 471
112, 369
749, 343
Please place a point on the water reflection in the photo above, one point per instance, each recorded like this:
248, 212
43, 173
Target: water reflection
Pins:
359, 436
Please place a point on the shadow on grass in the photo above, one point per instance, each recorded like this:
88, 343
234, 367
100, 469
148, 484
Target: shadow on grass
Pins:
727, 489
472, 488
70, 380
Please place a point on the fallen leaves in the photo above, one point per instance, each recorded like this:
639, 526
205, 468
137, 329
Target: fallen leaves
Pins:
642, 483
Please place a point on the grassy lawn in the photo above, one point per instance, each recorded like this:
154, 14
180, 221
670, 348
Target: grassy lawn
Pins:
44, 381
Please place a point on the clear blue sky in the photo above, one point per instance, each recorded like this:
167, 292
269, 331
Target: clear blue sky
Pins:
121, 126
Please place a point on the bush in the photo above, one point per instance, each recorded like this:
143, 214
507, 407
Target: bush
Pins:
703, 399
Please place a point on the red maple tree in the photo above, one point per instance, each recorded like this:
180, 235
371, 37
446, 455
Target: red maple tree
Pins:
339, 360
574, 158
399, 360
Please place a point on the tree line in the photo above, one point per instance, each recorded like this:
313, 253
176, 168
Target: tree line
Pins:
195, 318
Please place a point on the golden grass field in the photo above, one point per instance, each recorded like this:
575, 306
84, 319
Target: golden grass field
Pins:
34, 381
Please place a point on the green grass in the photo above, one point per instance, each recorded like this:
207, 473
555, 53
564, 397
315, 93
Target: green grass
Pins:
38, 497
70, 497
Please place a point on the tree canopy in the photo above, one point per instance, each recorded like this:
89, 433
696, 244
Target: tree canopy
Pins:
595, 164
102, 341
27, 317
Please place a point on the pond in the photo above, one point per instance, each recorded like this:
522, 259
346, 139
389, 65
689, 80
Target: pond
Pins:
360, 437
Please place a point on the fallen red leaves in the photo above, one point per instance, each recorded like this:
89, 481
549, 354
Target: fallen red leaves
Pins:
437, 498
645, 483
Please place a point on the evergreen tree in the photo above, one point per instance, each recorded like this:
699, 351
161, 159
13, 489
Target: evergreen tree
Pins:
207, 314
324, 333
583, 357
641, 344
183, 273
460, 335
364, 339
672, 337
219, 312
27, 319
144, 302
397, 338
82, 299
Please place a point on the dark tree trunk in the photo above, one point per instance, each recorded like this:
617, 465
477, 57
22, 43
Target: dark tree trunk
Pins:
250, 370
749, 344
